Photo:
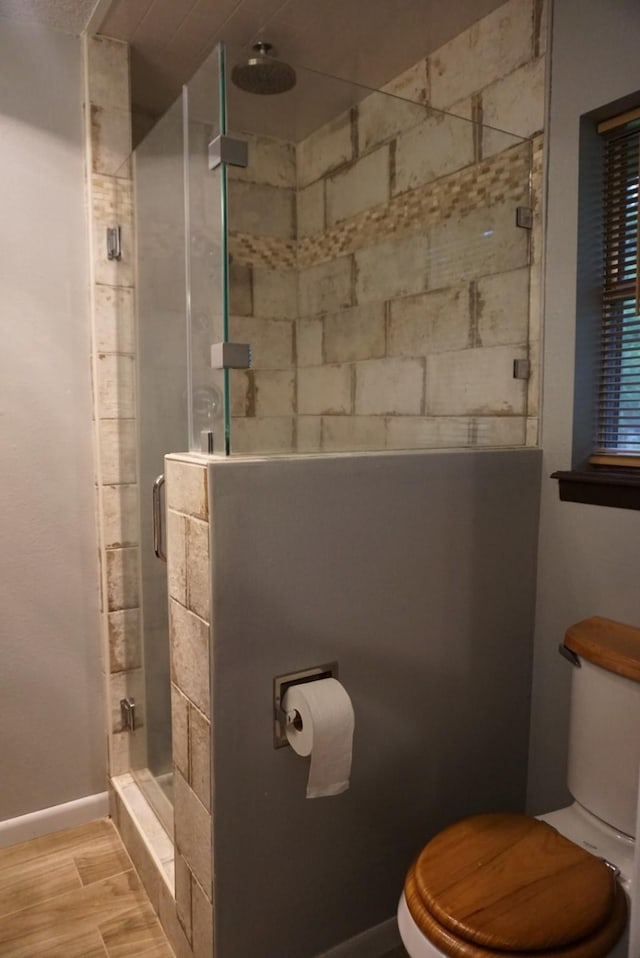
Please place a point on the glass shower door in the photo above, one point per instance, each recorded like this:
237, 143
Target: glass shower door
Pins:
161, 416
181, 312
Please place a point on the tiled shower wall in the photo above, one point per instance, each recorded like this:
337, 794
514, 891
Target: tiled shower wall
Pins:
110, 203
178, 877
263, 301
188, 572
406, 325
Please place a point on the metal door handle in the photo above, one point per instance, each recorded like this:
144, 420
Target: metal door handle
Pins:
158, 544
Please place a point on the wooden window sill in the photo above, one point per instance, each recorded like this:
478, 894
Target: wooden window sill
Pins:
618, 488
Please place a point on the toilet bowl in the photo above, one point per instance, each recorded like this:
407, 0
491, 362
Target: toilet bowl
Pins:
557, 886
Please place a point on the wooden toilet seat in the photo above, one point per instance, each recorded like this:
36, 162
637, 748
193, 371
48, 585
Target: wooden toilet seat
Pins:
501, 884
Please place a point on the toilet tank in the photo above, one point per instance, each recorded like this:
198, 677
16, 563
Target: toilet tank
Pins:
604, 731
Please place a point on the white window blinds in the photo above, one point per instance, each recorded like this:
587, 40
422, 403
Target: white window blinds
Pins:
618, 413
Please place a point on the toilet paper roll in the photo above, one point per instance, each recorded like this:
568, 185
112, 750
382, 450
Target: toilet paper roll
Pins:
324, 730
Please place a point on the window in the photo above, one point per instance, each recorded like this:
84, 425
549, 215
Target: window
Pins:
606, 468
618, 406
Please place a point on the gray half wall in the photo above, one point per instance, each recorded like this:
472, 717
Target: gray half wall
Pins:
416, 572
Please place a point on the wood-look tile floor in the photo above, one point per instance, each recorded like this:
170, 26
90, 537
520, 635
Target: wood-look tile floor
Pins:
75, 894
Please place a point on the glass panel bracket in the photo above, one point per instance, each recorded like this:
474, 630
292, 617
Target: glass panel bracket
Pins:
228, 149
231, 356
524, 217
521, 369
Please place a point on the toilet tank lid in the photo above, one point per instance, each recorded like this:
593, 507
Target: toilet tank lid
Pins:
610, 645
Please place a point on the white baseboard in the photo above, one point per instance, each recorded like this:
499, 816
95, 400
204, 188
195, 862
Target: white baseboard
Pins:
372, 943
53, 819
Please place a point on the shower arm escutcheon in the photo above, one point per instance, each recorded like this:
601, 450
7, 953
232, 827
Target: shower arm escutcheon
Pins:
158, 538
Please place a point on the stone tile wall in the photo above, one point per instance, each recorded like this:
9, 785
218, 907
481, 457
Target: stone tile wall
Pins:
110, 203
415, 290
263, 295
178, 877
188, 570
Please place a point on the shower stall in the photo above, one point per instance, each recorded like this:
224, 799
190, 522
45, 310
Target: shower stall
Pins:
321, 268
336, 369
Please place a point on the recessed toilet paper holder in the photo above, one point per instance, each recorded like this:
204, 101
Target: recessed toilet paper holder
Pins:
280, 685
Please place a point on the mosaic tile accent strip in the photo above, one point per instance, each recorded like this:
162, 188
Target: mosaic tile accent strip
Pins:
502, 177
267, 251
537, 158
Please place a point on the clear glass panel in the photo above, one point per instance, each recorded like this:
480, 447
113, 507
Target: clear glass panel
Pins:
181, 257
206, 256
377, 271
162, 412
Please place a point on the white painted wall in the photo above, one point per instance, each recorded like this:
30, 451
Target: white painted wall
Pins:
51, 715
589, 556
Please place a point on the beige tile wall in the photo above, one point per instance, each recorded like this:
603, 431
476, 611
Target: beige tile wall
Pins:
188, 570
263, 296
110, 203
415, 291
179, 877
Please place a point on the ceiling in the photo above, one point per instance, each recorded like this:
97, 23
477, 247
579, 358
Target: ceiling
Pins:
365, 41
70, 16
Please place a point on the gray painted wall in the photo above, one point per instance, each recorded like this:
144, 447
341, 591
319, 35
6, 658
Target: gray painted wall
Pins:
416, 572
52, 716
588, 555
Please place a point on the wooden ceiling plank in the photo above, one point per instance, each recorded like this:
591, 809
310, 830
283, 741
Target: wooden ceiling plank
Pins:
162, 21
329, 36
200, 30
123, 18
245, 26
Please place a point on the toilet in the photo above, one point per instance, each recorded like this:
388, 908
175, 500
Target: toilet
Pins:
502, 884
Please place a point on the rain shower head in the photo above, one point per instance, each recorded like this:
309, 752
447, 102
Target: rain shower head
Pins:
263, 73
